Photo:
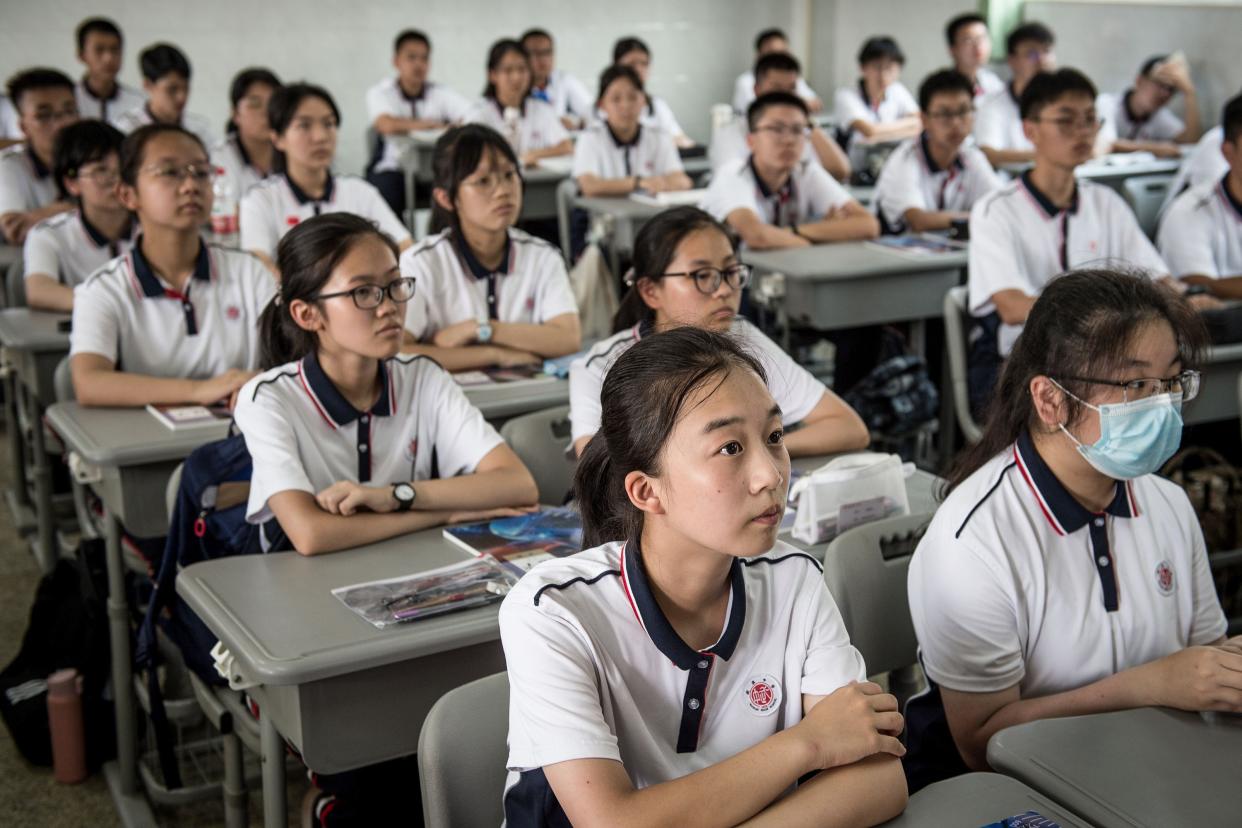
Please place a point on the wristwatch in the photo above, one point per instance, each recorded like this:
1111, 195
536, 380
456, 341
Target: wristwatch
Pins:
404, 494
1197, 290
484, 334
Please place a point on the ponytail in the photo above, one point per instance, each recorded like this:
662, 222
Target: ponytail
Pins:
281, 340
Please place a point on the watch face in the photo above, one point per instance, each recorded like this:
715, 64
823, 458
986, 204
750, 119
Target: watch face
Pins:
403, 491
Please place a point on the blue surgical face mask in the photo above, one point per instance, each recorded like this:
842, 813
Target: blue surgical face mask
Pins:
1136, 438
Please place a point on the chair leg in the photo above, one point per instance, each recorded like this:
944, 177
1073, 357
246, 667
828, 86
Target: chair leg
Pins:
236, 797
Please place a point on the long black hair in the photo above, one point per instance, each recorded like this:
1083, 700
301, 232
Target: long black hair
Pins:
643, 396
655, 247
496, 54
1082, 325
284, 105
306, 257
457, 154
242, 82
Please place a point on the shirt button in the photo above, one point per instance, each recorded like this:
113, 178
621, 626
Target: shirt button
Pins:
365, 419
363, 448
1102, 560
703, 664
693, 704
1099, 521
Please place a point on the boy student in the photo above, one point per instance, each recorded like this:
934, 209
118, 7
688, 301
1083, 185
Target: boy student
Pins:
100, 95
1139, 119
1044, 222
970, 46
999, 130
398, 105
44, 102
166, 79
933, 180
767, 42
777, 72
772, 198
879, 108
567, 94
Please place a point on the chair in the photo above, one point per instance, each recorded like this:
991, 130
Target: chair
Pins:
565, 192
461, 754
15, 285
1145, 195
956, 328
540, 438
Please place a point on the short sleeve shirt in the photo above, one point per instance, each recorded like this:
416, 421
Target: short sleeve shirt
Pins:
535, 125
1204, 164
1201, 234
25, 182
998, 122
68, 248
124, 99
911, 180
229, 155
809, 194
1120, 123
598, 152
566, 94
130, 120
434, 103
851, 104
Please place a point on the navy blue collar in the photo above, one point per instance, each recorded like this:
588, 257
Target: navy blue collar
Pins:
116, 90
241, 150
633, 142
932, 167
1045, 202
41, 170
657, 626
422, 92
303, 198
862, 90
476, 268
1065, 513
333, 405
501, 109
99, 238
150, 283
1233, 202
786, 189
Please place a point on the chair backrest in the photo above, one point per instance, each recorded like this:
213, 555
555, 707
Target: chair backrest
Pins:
170, 491
865, 569
15, 285
62, 382
565, 192
540, 439
462, 753
956, 330
1145, 194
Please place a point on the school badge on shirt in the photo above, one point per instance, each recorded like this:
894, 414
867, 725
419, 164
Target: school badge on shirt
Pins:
1164, 578
763, 694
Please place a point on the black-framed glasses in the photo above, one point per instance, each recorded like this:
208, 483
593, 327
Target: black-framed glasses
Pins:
1186, 383
1070, 125
786, 130
367, 297
174, 174
708, 279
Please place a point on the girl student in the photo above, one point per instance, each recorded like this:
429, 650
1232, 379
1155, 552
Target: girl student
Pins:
686, 272
687, 666
60, 252
619, 155
632, 52
489, 293
1062, 576
304, 122
351, 443
174, 320
529, 124
246, 154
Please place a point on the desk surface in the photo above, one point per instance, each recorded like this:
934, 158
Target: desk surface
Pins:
509, 399
32, 330
125, 436
620, 206
1104, 168
849, 260
1145, 767
975, 800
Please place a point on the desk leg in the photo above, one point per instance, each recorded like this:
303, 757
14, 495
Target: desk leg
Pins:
46, 538
122, 671
273, 757
17, 462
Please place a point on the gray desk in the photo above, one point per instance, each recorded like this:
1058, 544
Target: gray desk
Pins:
628, 216
978, 799
1145, 767
1218, 394
502, 400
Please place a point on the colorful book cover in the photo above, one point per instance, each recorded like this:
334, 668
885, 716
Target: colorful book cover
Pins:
522, 541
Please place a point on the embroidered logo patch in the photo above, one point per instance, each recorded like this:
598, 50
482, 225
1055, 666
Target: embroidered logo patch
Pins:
233, 312
291, 220
763, 694
411, 451
1164, 578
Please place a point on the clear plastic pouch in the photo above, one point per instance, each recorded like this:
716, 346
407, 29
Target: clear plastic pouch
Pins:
849, 491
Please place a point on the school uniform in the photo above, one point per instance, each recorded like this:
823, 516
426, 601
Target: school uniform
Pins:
230, 156
1204, 164
852, 104
987, 83
9, 128
729, 144
1122, 124
599, 152
1201, 234
808, 195
596, 670
127, 314
536, 127
129, 121
793, 387
303, 435
25, 182
531, 286
658, 113
273, 206
123, 99
566, 94
434, 102
998, 122
744, 91
68, 248
911, 180
1016, 583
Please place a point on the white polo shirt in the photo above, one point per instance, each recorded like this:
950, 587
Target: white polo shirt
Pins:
229, 155
596, 671
25, 183
987, 82
808, 195
911, 180
851, 104
129, 121
9, 128
127, 314
729, 144
599, 152
452, 285
68, 248
998, 122
303, 435
1119, 123
1201, 234
434, 103
1020, 240
567, 94
273, 206
793, 387
537, 125
1204, 164
744, 91
659, 114
124, 98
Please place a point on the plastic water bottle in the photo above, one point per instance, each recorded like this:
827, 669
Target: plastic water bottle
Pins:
64, 717
224, 209
513, 128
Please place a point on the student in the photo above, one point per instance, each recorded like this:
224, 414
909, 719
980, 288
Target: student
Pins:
397, 106
174, 320
1062, 576
568, 95
1139, 120
767, 42
970, 46
687, 662
618, 155
166, 79
44, 102
10, 132
880, 108
772, 198
529, 124
1201, 235
1044, 222
304, 122
999, 131
60, 252
686, 272
777, 72
488, 293
99, 94
246, 155
1202, 164
933, 180
632, 52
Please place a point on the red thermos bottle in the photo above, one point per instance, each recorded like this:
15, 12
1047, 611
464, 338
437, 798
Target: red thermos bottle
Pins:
64, 716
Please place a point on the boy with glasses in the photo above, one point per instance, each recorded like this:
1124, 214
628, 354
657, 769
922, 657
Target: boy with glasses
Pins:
44, 102
999, 131
1139, 119
568, 95
99, 94
970, 46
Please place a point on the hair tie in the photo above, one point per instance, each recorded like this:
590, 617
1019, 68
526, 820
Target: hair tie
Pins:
628, 278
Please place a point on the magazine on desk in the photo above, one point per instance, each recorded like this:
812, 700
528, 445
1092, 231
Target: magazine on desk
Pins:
674, 198
924, 244
491, 376
459, 586
185, 417
522, 541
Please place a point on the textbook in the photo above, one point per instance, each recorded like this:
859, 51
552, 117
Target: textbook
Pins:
556, 163
488, 376
427, 594
925, 244
182, 417
522, 541
677, 198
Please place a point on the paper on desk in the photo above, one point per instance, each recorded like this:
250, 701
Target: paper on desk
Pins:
385, 603
557, 163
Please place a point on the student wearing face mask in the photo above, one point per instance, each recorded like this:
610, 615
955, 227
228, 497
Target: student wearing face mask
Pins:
1062, 576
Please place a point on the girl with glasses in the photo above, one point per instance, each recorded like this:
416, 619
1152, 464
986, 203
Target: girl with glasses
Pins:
530, 125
